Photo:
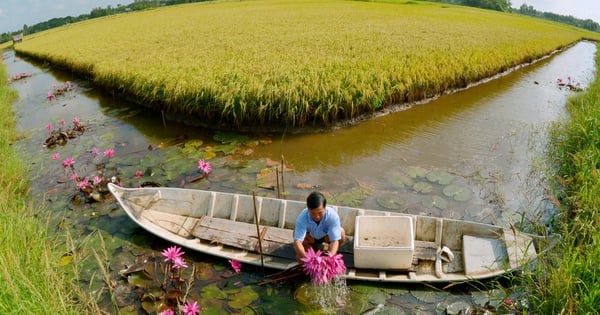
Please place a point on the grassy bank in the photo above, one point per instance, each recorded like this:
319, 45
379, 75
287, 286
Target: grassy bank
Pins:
29, 279
295, 62
572, 282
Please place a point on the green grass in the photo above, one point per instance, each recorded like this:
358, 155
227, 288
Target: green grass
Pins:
30, 281
296, 62
570, 282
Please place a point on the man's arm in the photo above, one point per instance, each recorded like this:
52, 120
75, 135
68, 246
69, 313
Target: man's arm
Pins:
299, 249
333, 247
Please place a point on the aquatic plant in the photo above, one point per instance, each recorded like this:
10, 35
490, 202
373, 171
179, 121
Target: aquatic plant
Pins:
20, 76
60, 136
322, 267
204, 166
236, 265
59, 90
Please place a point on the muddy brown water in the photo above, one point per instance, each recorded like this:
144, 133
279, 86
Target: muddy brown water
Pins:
486, 142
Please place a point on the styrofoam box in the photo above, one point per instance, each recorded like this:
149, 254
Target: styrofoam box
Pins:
383, 242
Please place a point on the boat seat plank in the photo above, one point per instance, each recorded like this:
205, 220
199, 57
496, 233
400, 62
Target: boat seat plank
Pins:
275, 241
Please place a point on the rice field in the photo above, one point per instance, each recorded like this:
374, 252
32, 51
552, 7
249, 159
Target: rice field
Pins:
295, 63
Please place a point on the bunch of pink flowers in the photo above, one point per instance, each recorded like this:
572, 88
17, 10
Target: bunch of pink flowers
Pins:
323, 268
175, 262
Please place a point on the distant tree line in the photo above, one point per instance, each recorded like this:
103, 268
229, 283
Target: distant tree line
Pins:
94, 13
587, 24
505, 6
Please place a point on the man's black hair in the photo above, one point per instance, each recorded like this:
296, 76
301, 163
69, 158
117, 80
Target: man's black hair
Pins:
315, 199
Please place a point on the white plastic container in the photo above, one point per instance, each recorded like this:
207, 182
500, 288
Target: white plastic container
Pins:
383, 242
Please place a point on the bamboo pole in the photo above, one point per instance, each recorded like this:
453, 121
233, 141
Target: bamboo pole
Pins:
282, 181
277, 176
262, 262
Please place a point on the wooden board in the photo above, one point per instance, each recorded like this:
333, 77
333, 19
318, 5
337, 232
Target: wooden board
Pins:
275, 241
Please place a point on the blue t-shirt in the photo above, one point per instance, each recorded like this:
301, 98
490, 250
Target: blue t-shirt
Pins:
329, 225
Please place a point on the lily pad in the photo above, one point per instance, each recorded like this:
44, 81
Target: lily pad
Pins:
391, 310
212, 291
204, 271
458, 193
459, 307
423, 187
401, 181
391, 201
225, 148
440, 177
491, 297
428, 296
416, 172
435, 201
229, 137
395, 291
307, 295
243, 298
351, 198
192, 147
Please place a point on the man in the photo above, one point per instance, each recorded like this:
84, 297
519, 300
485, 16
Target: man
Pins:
317, 224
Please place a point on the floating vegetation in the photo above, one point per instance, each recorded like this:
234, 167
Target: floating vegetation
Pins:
435, 201
60, 90
459, 307
458, 193
241, 298
352, 198
60, 136
492, 298
391, 201
20, 76
416, 172
428, 296
423, 188
440, 177
230, 137
401, 181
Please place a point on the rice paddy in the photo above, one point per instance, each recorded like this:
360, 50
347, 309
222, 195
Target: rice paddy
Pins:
294, 63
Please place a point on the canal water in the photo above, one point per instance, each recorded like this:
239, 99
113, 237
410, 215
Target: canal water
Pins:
473, 154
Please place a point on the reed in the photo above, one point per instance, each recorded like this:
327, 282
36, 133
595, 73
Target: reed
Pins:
31, 281
570, 283
295, 62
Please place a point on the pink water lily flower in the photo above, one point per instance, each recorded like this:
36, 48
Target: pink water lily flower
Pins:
323, 268
68, 162
62, 122
49, 127
56, 156
83, 184
95, 151
109, 153
191, 308
139, 173
172, 253
236, 265
76, 121
97, 180
50, 95
204, 166
179, 263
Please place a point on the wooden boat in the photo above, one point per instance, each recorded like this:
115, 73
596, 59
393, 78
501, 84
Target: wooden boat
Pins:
224, 225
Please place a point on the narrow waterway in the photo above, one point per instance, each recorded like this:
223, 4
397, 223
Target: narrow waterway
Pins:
486, 141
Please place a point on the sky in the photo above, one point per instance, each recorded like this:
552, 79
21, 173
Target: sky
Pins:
15, 13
